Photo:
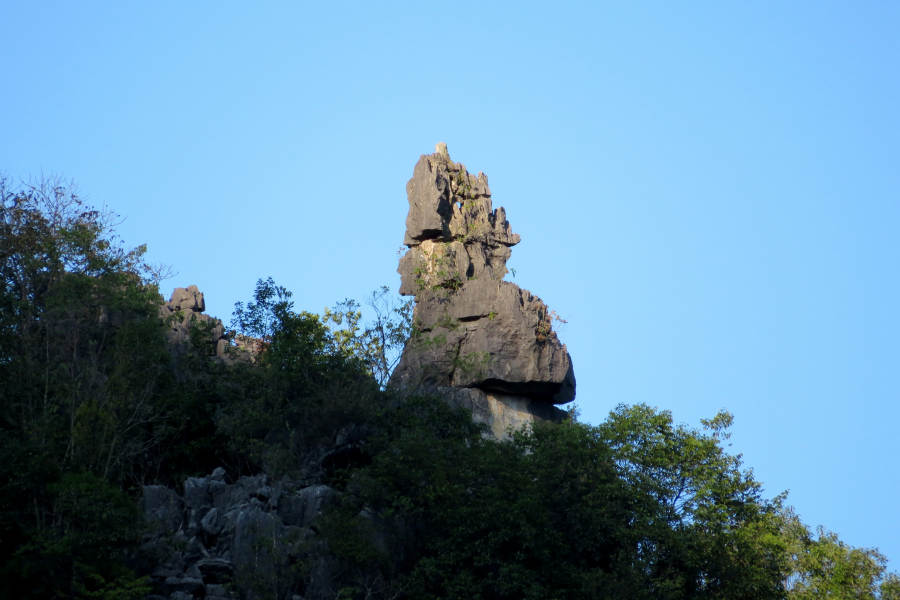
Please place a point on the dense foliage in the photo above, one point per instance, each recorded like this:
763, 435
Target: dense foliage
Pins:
95, 402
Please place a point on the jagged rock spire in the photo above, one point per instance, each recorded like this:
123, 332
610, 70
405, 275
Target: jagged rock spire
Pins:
453, 233
473, 330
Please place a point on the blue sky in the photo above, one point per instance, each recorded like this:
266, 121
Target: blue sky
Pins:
708, 192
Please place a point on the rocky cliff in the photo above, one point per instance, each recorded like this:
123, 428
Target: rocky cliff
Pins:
481, 342
220, 541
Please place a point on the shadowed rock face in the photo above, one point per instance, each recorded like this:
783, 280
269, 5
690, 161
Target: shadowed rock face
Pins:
222, 540
473, 330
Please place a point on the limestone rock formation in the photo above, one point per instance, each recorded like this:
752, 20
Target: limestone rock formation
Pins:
452, 232
478, 338
185, 308
221, 540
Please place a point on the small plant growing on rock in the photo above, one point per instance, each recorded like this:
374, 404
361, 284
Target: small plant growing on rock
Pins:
448, 322
473, 363
545, 325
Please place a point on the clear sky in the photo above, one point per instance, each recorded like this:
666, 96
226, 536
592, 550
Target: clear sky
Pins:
708, 192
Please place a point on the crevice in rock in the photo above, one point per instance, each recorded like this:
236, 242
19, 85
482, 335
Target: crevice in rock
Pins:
455, 361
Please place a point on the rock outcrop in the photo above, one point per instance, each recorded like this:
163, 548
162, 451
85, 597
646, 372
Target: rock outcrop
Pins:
185, 311
241, 540
186, 308
480, 341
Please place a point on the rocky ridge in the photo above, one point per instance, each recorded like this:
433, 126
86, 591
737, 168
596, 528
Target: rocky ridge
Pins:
479, 341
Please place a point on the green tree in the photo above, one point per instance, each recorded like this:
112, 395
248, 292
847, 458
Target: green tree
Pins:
83, 352
721, 537
78, 544
83, 365
823, 566
633, 508
307, 382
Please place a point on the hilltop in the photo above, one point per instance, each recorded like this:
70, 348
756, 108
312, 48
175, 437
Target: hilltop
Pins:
149, 450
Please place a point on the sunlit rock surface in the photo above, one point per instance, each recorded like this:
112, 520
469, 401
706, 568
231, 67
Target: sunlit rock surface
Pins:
474, 331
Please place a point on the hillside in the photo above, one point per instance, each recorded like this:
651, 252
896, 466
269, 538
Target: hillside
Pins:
150, 451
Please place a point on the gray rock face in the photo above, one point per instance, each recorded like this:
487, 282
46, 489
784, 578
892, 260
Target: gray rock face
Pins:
499, 411
490, 335
243, 539
184, 309
473, 330
163, 508
452, 231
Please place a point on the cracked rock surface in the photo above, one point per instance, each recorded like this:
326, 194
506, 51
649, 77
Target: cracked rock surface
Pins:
474, 331
220, 539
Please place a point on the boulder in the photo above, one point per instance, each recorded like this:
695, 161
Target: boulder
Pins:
302, 508
234, 534
261, 550
189, 298
196, 493
428, 192
490, 335
213, 522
